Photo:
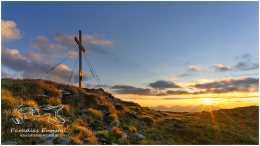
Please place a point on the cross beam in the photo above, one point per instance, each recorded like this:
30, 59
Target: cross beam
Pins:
81, 48
80, 44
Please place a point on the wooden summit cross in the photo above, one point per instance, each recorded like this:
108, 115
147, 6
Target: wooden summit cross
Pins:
81, 48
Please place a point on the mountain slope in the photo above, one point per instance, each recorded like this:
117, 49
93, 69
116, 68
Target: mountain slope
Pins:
92, 116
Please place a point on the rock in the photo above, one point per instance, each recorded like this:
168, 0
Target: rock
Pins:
102, 141
63, 140
48, 142
139, 135
125, 136
65, 92
8, 143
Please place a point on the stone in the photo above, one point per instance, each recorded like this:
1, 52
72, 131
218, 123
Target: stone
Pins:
8, 143
63, 140
139, 135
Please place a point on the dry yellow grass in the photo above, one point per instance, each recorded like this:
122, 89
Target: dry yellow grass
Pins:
31, 103
117, 133
54, 101
82, 135
98, 114
69, 110
8, 99
132, 129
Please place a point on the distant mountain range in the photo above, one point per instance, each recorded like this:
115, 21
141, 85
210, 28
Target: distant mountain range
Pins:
177, 108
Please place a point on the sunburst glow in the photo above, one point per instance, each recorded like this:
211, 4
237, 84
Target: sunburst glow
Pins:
207, 101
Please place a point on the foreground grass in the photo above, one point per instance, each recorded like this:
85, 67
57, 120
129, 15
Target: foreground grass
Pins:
96, 117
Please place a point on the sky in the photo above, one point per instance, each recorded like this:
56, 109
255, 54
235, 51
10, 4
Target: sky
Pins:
158, 54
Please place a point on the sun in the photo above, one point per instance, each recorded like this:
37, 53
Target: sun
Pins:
207, 101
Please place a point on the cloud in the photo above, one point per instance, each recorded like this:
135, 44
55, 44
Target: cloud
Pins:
9, 31
230, 85
31, 68
64, 42
221, 67
172, 92
213, 87
37, 56
246, 66
97, 41
125, 89
73, 54
161, 84
13, 59
193, 68
184, 75
64, 68
31, 64
245, 63
42, 43
177, 98
68, 40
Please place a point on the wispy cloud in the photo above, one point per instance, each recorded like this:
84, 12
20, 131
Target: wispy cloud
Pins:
172, 92
246, 63
37, 56
220, 67
184, 75
43, 44
243, 63
194, 68
64, 43
68, 40
72, 54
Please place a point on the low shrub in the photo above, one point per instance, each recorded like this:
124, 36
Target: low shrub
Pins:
148, 120
95, 113
82, 135
68, 110
113, 119
132, 130
31, 103
54, 101
8, 101
120, 107
116, 133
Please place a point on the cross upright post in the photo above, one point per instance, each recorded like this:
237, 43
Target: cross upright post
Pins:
80, 63
81, 48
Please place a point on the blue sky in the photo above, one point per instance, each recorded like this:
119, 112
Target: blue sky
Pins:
175, 41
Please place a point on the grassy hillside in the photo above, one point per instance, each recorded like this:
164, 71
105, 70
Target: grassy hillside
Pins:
93, 116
